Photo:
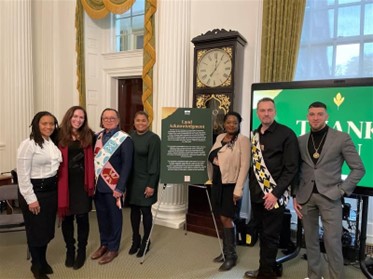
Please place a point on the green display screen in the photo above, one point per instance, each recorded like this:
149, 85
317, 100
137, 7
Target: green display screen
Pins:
350, 107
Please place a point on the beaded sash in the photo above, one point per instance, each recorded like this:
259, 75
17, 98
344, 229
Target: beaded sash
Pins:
262, 174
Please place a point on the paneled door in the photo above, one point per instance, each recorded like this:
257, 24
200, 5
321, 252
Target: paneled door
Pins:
129, 101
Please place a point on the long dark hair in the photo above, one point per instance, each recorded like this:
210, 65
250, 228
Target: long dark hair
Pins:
35, 130
84, 133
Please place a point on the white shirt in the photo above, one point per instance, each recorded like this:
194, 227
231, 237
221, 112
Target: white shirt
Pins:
35, 162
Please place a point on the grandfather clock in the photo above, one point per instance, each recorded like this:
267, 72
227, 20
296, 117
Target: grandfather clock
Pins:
217, 79
218, 72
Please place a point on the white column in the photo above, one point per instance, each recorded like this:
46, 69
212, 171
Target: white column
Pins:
44, 63
173, 45
16, 78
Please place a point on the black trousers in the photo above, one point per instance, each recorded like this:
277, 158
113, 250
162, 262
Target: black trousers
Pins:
269, 226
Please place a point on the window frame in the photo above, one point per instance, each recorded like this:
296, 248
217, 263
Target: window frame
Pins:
334, 41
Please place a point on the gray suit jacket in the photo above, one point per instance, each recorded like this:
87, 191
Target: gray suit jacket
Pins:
338, 147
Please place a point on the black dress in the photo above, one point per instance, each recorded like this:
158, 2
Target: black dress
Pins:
79, 201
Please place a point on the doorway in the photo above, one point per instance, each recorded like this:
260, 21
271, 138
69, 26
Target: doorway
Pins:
129, 101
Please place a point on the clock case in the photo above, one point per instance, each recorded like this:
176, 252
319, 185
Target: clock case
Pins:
220, 99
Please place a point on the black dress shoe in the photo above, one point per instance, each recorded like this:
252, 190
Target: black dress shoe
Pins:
271, 275
261, 275
251, 273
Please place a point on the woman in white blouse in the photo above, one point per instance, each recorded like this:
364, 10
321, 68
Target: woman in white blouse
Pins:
38, 160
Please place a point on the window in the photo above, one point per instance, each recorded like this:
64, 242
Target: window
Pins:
337, 40
129, 28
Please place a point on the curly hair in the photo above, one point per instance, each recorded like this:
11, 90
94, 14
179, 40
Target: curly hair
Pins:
35, 130
237, 115
84, 133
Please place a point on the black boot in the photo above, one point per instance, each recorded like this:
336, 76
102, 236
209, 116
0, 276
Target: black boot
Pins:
45, 267
70, 257
142, 248
219, 259
36, 267
38, 274
68, 235
229, 249
83, 232
80, 258
136, 240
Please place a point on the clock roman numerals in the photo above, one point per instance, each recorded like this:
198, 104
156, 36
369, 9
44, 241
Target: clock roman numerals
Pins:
214, 67
218, 72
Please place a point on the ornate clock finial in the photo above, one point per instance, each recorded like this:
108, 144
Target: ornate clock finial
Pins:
219, 35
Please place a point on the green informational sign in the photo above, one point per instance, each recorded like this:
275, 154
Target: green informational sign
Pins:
350, 110
186, 142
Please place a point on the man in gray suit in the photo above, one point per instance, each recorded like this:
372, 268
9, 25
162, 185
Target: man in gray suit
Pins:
323, 152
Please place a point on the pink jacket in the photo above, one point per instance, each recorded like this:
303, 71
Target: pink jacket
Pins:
234, 162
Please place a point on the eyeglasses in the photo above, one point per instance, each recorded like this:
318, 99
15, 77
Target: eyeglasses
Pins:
109, 119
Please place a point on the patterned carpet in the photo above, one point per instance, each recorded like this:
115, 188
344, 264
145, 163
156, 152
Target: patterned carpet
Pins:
173, 254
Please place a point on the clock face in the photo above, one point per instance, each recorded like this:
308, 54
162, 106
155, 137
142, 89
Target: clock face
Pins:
214, 67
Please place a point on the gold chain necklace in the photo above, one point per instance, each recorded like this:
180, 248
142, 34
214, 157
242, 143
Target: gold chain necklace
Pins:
316, 154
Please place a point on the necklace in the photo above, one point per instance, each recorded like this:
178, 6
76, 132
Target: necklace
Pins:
229, 140
316, 154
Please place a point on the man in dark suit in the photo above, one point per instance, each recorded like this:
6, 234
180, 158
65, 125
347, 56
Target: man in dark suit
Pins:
323, 152
113, 164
